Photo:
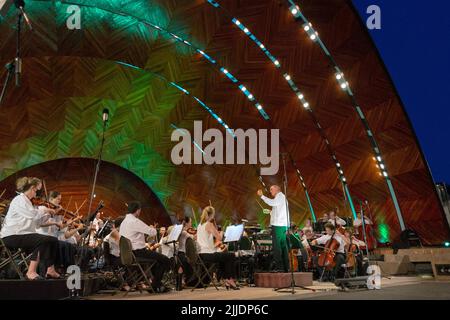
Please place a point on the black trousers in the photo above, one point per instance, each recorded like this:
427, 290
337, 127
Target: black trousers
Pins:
226, 261
45, 246
187, 268
161, 266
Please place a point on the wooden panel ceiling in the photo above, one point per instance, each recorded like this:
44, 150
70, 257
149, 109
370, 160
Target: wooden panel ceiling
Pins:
71, 75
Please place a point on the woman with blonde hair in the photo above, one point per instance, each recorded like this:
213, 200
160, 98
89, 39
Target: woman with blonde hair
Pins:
19, 228
206, 232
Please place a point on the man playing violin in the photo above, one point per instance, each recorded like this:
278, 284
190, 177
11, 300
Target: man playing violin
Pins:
339, 253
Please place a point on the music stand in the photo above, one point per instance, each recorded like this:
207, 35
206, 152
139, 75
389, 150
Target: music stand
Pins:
173, 238
234, 234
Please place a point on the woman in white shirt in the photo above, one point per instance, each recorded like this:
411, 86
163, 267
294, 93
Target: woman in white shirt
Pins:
19, 229
206, 232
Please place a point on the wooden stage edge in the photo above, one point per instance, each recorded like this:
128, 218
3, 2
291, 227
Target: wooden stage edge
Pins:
406, 260
283, 280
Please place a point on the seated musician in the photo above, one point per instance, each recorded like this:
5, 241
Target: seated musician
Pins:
113, 239
54, 226
188, 232
19, 228
206, 232
295, 248
167, 248
135, 230
340, 256
97, 224
335, 220
308, 226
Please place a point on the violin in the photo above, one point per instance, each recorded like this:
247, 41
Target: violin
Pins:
191, 231
40, 202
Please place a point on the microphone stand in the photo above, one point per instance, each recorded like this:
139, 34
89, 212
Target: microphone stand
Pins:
293, 285
363, 225
16, 65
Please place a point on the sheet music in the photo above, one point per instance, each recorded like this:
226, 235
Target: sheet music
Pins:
234, 233
175, 233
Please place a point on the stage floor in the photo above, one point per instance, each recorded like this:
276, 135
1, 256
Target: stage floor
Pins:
395, 288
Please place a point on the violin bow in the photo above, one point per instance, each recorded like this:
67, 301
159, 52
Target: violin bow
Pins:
70, 200
45, 190
1, 195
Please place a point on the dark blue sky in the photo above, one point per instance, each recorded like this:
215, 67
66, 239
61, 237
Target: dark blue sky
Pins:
414, 42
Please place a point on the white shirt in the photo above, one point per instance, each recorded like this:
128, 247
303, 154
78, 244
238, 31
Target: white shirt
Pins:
323, 240
114, 247
52, 230
358, 222
205, 240
72, 239
135, 230
182, 241
22, 217
97, 224
278, 216
339, 221
166, 249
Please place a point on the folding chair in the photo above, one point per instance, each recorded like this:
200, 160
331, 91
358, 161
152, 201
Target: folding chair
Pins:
17, 258
130, 262
116, 270
200, 271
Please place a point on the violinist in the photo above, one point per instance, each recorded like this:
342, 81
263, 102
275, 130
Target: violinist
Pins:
55, 227
339, 254
19, 228
206, 232
135, 230
188, 232
53, 224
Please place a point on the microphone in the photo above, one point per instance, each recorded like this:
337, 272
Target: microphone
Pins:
20, 4
105, 115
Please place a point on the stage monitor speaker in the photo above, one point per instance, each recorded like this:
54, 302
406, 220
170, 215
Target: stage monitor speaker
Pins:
352, 283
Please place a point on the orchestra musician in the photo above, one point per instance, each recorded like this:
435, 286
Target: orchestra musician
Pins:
113, 239
308, 226
188, 232
339, 257
97, 224
335, 220
206, 232
19, 228
55, 226
135, 230
279, 224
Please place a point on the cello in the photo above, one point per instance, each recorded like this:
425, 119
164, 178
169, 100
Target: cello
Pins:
326, 258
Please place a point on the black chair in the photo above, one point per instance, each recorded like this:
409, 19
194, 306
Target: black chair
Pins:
133, 265
200, 271
17, 258
116, 270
